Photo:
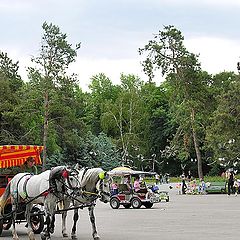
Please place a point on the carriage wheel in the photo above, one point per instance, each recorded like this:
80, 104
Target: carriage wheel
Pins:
37, 220
114, 203
136, 203
1, 226
7, 224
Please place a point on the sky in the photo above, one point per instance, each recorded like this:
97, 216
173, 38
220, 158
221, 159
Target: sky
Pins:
112, 31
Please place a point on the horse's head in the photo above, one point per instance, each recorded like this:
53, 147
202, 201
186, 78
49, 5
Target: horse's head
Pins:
72, 181
91, 183
63, 179
104, 187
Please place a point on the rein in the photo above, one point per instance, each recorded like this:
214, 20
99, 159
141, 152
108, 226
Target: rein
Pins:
90, 193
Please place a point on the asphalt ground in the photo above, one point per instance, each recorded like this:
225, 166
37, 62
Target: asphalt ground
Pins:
185, 217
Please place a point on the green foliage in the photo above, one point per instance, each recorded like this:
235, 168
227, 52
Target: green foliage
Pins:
223, 134
102, 92
125, 118
187, 86
10, 82
190, 115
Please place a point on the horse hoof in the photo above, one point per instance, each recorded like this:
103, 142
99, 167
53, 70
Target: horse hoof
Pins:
65, 235
44, 237
96, 238
74, 237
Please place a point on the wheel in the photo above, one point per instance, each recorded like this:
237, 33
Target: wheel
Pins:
148, 204
7, 224
167, 200
127, 205
1, 226
37, 220
114, 203
136, 203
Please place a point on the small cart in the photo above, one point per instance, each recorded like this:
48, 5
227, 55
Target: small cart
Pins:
127, 197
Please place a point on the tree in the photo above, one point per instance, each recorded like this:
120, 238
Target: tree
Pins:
187, 88
102, 91
11, 83
160, 127
125, 118
55, 56
223, 134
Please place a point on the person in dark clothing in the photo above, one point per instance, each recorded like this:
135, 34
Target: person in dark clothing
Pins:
184, 186
189, 176
230, 182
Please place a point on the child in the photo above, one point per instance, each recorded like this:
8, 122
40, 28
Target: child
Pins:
114, 188
236, 186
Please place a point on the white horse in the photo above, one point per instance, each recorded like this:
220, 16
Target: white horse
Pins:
28, 189
91, 185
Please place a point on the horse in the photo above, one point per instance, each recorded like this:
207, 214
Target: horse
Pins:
45, 188
92, 183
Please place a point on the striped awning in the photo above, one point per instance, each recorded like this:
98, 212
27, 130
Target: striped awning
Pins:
16, 155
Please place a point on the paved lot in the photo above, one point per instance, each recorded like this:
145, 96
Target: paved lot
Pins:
183, 218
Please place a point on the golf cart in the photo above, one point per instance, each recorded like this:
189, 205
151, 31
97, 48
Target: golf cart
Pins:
125, 194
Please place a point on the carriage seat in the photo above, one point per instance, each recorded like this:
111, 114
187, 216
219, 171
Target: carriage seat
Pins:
123, 188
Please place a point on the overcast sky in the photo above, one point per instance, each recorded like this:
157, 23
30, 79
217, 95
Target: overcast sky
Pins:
111, 31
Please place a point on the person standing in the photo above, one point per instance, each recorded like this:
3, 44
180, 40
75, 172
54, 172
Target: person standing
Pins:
184, 186
189, 176
230, 182
157, 179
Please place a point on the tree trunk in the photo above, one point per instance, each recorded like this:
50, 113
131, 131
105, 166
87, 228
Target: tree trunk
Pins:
196, 145
45, 130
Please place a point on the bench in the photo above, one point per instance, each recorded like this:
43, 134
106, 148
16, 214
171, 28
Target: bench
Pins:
216, 187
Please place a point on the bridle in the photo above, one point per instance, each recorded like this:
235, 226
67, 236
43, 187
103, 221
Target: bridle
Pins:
102, 193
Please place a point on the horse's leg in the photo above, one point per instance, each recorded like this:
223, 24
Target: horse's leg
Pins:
64, 216
75, 219
92, 219
50, 206
14, 217
52, 225
46, 232
28, 217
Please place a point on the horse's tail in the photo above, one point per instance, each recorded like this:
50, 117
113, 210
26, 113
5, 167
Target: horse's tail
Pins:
4, 198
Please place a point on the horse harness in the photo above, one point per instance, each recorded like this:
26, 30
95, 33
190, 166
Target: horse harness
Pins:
92, 196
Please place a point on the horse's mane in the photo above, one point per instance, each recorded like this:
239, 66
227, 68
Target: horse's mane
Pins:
89, 176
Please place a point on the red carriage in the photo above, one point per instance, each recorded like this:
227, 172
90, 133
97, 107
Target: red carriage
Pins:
13, 157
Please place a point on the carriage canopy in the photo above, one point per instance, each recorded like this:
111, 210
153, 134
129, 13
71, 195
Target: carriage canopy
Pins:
16, 155
121, 171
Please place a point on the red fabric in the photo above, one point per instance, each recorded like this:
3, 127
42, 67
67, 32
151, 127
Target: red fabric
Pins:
16, 155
